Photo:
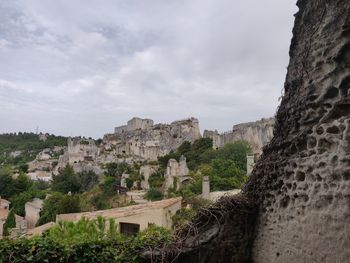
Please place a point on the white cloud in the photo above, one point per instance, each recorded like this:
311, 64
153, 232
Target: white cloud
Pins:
92, 65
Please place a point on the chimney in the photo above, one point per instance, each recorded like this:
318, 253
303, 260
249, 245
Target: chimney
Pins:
206, 188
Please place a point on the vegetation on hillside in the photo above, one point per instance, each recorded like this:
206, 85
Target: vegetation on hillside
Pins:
28, 146
226, 167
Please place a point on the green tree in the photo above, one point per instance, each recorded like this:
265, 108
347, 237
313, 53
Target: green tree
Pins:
109, 186
18, 202
58, 203
21, 184
7, 185
66, 181
237, 152
87, 180
10, 223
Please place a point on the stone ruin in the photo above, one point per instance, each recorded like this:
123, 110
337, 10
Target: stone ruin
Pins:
146, 171
141, 139
296, 204
257, 134
82, 154
176, 174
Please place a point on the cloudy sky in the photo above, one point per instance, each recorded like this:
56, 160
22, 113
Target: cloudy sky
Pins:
81, 67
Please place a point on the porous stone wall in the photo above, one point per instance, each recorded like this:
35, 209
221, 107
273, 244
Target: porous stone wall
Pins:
302, 181
257, 134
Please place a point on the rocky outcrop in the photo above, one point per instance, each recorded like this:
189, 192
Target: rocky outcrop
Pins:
257, 134
146, 171
141, 139
301, 183
82, 154
177, 173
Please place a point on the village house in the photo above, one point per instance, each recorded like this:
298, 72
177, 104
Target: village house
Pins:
132, 219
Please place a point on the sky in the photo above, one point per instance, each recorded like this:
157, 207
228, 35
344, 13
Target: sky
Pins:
82, 67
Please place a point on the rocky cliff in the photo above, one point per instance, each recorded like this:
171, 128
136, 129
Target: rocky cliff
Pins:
301, 184
141, 139
257, 134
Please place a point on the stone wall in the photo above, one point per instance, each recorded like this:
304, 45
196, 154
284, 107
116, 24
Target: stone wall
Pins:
257, 134
302, 181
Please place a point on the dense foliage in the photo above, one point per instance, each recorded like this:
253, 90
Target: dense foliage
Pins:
28, 144
9, 223
58, 203
84, 241
66, 181
226, 167
10, 186
154, 194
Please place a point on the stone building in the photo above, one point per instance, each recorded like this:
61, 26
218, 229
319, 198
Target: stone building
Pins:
32, 210
82, 154
132, 219
134, 124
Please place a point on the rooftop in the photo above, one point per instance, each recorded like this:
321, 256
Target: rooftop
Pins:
121, 211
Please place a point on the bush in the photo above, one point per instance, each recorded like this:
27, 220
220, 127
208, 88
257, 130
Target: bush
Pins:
87, 180
58, 203
9, 223
84, 241
154, 194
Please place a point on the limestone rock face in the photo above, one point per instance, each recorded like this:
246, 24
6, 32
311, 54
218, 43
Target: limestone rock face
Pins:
301, 183
141, 139
257, 134
146, 171
82, 154
176, 173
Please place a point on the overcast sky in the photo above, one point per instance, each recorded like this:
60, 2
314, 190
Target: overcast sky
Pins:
81, 67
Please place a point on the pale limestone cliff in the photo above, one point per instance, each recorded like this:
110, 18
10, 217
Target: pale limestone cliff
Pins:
140, 139
257, 134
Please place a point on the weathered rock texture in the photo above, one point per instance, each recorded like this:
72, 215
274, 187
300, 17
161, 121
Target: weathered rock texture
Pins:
141, 139
257, 134
176, 174
301, 184
302, 181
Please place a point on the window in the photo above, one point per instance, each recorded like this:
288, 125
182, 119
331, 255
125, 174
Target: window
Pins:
129, 229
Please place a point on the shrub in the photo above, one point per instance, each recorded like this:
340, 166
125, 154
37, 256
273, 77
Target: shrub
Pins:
84, 241
154, 194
